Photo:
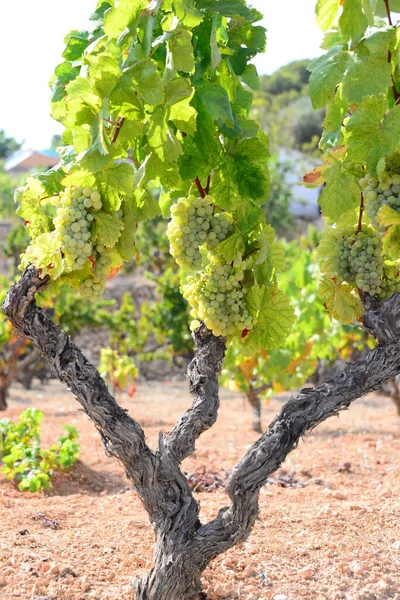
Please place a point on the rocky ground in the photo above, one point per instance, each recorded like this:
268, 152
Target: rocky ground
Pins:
328, 529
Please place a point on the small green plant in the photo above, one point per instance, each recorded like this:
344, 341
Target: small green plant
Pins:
24, 461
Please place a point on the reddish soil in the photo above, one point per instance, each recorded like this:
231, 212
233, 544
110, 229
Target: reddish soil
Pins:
328, 529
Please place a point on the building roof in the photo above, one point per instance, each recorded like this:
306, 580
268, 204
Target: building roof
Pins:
21, 156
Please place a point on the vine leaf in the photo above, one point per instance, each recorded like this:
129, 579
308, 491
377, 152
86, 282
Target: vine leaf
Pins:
342, 191
187, 13
180, 45
45, 252
371, 133
273, 316
229, 248
352, 21
108, 228
341, 300
326, 73
124, 15
326, 12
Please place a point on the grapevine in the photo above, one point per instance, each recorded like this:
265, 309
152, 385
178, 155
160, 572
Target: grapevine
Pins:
360, 249
144, 129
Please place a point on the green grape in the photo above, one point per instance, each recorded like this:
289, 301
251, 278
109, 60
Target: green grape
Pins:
193, 224
354, 251
380, 193
216, 300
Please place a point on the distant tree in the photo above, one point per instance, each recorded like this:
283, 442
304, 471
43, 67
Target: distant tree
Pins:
293, 76
283, 108
8, 145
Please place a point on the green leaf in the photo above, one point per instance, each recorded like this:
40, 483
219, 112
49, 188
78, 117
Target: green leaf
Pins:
391, 242
341, 300
380, 8
388, 216
107, 228
162, 139
278, 256
177, 90
369, 12
79, 177
114, 181
342, 191
225, 190
371, 134
147, 206
229, 248
129, 132
326, 72
366, 76
77, 42
145, 77
180, 46
332, 127
326, 12
230, 8
352, 21
103, 74
127, 104
250, 77
214, 100
45, 253
273, 315
183, 115
187, 13
121, 178
125, 14
126, 243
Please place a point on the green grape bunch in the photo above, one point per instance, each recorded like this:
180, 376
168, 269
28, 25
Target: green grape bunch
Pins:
359, 255
73, 249
194, 224
73, 223
217, 298
380, 193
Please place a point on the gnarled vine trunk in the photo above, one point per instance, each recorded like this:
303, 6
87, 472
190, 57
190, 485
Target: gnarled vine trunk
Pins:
184, 546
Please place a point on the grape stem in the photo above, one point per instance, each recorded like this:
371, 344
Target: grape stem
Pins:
200, 187
251, 252
111, 122
208, 184
135, 161
359, 227
117, 130
388, 12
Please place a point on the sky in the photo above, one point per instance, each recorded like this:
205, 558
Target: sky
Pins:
31, 44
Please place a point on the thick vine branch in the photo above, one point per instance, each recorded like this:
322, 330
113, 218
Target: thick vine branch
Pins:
304, 411
203, 381
121, 435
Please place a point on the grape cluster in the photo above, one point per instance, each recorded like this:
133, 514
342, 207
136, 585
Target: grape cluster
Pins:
73, 222
360, 260
93, 286
193, 224
378, 194
217, 298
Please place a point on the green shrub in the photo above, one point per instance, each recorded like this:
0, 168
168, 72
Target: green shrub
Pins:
24, 461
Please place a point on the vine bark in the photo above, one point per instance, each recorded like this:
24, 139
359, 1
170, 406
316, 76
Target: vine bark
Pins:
183, 545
